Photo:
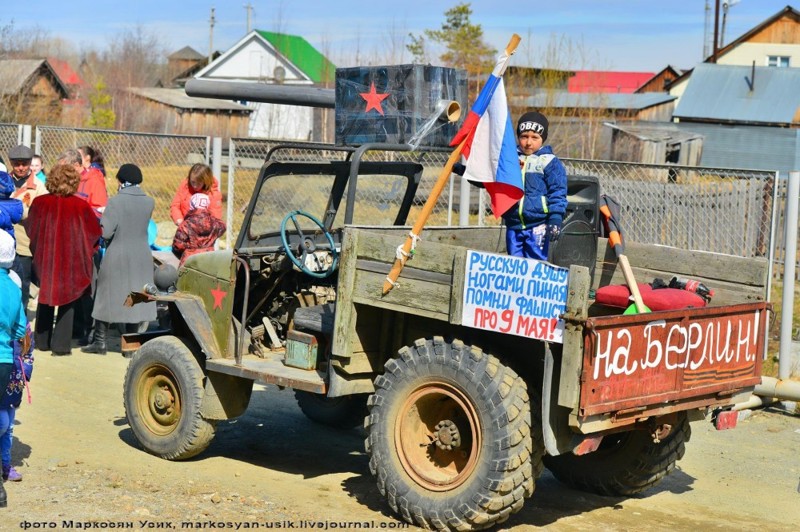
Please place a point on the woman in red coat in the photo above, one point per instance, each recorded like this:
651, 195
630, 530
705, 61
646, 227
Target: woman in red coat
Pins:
64, 233
199, 180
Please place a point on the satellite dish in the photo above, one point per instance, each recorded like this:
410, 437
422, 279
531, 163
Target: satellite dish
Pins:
279, 74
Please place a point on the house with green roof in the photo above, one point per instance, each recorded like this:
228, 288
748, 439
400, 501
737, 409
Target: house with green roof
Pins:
277, 58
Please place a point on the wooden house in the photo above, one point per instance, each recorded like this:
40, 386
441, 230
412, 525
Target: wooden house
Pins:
30, 92
773, 43
171, 111
278, 58
660, 82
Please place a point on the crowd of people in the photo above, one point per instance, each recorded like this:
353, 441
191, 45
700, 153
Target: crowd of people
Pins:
84, 253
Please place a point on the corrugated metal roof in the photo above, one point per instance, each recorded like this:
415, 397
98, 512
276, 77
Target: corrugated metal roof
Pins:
178, 98
304, 56
655, 131
586, 100
723, 93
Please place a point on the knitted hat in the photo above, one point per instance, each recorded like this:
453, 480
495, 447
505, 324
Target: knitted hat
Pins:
129, 173
533, 121
199, 201
6, 185
8, 249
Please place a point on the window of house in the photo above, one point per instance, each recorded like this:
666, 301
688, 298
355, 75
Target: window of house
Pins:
781, 61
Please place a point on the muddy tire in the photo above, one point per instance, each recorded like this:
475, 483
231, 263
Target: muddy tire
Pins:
163, 394
625, 464
344, 412
449, 437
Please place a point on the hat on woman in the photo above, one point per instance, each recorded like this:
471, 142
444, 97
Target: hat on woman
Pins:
8, 249
129, 173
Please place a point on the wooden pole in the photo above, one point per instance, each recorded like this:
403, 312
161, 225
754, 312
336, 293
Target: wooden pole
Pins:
404, 252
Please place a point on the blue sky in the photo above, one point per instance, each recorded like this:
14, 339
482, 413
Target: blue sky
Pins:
624, 35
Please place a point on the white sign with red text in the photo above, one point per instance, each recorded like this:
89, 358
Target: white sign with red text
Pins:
514, 295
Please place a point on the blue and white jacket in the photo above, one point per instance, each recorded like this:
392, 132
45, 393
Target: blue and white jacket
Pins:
545, 182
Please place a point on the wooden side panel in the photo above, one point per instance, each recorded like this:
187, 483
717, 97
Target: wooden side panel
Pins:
733, 279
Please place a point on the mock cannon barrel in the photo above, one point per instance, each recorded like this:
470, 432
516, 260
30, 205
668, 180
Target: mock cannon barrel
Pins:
260, 92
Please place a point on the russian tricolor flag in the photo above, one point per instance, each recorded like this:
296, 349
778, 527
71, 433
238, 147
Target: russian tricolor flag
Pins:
490, 151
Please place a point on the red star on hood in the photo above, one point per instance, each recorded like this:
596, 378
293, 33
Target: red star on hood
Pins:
373, 99
218, 295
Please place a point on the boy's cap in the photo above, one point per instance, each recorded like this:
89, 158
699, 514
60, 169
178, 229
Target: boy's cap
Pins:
8, 249
6, 185
199, 201
129, 173
20, 153
533, 121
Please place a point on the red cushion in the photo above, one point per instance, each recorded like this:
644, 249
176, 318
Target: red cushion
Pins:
618, 295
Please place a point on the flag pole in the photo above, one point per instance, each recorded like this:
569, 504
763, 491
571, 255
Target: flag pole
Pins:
404, 251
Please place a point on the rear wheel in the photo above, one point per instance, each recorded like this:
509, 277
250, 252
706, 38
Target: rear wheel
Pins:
449, 437
163, 395
344, 412
626, 463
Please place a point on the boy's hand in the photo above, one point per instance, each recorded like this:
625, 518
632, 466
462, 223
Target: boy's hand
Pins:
553, 231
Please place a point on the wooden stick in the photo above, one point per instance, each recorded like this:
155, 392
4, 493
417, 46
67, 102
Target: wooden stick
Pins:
433, 197
631, 280
400, 261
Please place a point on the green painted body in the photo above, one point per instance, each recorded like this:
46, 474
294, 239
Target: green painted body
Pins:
207, 275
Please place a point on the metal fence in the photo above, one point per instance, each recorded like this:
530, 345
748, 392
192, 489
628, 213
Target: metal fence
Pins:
709, 209
9, 137
164, 159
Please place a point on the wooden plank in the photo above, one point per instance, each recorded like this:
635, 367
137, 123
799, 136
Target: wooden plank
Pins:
687, 263
572, 353
344, 320
413, 296
457, 291
488, 238
428, 256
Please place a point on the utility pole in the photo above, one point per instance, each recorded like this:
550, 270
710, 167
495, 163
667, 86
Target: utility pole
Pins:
249, 7
716, 32
211, 36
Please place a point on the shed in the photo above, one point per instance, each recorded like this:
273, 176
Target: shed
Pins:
176, 113
655, 144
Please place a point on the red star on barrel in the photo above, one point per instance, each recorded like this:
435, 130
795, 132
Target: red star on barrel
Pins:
218, 295
373, 99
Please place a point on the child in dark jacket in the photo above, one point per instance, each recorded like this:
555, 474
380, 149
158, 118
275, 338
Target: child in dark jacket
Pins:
10, 208
199, 229
536, 220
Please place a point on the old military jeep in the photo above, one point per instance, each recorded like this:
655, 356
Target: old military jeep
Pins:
462, 406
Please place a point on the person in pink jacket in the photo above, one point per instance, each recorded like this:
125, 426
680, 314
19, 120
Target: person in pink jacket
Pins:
199, 180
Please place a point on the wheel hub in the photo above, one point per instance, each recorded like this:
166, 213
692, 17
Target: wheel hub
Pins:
437, 434
447, 436
159, 400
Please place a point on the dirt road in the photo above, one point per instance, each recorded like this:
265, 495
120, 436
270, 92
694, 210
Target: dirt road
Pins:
273, 467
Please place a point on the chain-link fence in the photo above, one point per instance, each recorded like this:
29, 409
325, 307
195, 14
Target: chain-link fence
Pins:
9, 137
384, 193
164, 159
708, 209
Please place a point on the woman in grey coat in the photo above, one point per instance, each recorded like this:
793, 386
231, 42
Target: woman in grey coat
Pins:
128, 261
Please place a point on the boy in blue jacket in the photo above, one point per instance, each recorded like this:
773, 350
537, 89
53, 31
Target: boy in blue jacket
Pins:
535, 221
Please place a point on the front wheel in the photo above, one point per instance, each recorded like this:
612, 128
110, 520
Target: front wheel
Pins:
626, 463
163, 394
449, 437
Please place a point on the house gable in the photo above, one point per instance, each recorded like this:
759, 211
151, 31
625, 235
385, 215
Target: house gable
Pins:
307, 58
255, 58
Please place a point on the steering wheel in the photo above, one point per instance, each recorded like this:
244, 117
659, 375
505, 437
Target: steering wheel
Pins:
306, 245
